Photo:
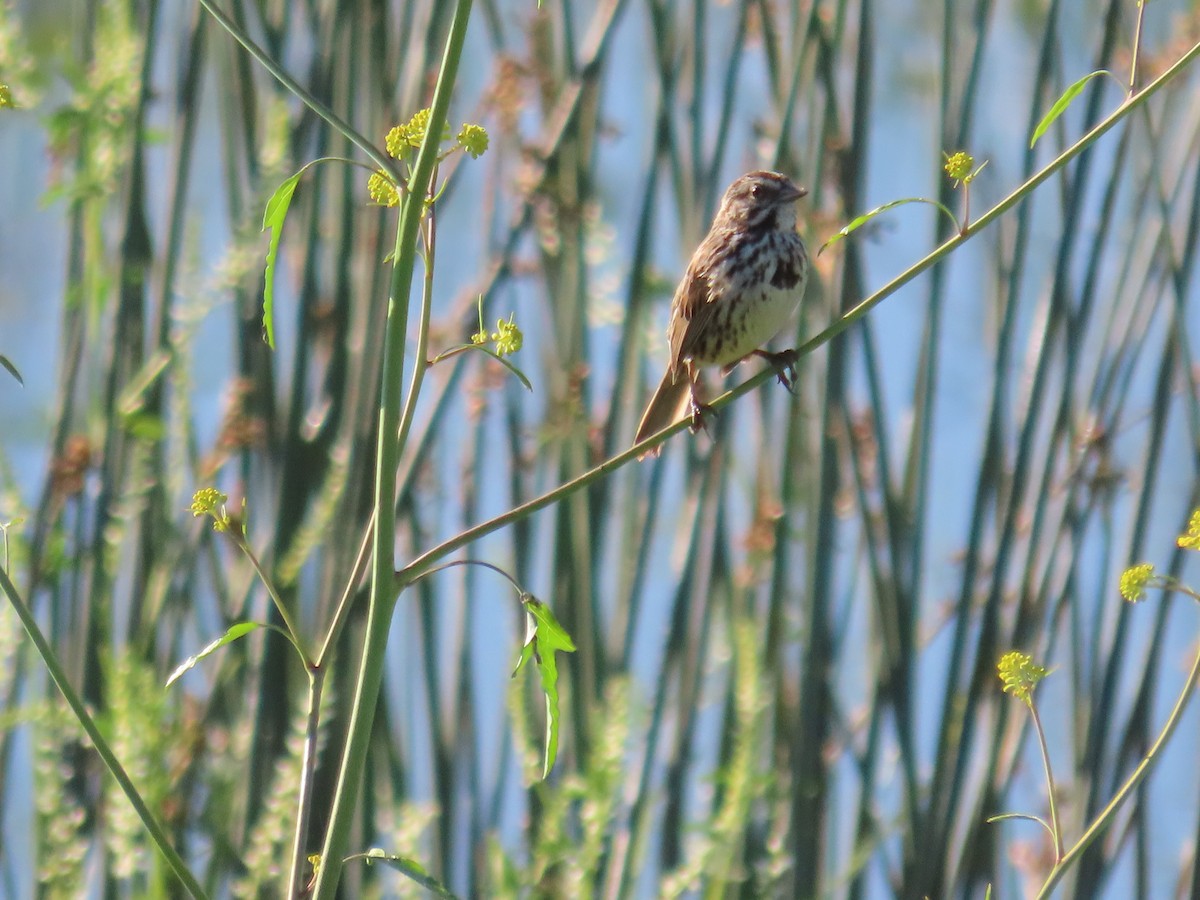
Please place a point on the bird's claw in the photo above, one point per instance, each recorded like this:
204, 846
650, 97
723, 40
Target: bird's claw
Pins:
699, 412
785, 366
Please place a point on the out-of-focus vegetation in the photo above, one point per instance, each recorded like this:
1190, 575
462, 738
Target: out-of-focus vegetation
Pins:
784, 633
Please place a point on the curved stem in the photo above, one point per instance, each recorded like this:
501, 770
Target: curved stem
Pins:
475, 562
1055, 828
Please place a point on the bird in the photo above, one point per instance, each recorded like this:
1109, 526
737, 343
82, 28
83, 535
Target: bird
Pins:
741, 287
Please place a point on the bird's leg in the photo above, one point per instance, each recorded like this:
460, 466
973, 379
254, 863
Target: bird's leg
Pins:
785, 366
697, 408
698, 411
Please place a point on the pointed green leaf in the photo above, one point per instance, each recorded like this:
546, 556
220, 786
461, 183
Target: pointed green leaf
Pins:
12, 370
273, 217
1061, 104
410, 867
859, 221
550, 634
235, 631
545, 637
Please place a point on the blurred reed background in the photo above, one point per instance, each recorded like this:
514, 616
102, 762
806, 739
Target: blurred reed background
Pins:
787, 630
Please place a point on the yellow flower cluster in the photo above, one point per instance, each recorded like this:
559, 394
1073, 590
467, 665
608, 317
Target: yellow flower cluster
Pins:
1020, 674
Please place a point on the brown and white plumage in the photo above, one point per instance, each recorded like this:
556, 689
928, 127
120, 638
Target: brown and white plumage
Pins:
741, 287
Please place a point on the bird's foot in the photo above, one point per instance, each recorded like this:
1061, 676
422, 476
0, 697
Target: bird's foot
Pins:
700, 412
785, 366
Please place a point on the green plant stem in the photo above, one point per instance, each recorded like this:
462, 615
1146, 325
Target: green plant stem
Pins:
423, 563
337, 122
1106, 815
1137, 47
1055, 828
406, 574
476, 562
157, 833
293, 631
383, 587
316, 687
1101, 127
342, 610
421, 356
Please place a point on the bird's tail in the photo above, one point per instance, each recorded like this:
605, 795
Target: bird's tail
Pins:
668, 406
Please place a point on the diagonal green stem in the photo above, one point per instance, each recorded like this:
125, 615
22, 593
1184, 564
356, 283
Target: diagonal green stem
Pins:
427, 559
280, 606
158, 834
1101, 127
294, 87
342, 610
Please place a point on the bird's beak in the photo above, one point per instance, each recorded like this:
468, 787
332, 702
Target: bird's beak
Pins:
794, 194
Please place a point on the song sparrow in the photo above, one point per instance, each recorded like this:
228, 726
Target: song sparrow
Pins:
742, 285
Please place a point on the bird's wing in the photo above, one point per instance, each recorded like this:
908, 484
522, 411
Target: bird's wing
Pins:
691, 311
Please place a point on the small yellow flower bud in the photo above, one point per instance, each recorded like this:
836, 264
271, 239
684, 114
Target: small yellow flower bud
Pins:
473, 139
397, 143
508, 337
958, 166
206, 500
381, 190
1020, 674
1190, 540
1134, 581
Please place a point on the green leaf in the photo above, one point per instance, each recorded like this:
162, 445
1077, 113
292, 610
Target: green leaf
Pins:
12, 370
273, 217
550, 634
544, 637
234, 632
859, 221
1061, 104
408, 866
